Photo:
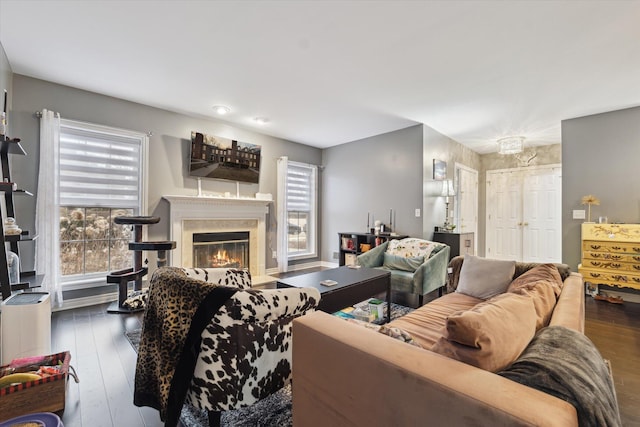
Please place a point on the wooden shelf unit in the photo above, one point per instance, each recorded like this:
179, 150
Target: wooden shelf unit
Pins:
350, 244
28, 279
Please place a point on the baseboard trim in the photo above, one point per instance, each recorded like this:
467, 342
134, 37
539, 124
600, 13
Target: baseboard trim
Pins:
70, 304
631, 296
298, 267
626, 296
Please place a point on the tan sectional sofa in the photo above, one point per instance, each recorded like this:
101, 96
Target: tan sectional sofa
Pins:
347, 375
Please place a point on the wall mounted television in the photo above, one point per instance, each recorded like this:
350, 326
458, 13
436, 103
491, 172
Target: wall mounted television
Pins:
223, 158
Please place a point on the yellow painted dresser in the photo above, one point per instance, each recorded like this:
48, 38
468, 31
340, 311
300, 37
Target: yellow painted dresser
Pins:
611, 254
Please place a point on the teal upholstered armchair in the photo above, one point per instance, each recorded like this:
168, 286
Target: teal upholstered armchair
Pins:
417, 266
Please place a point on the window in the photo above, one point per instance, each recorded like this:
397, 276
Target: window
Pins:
301, 198
91, 243
101, 176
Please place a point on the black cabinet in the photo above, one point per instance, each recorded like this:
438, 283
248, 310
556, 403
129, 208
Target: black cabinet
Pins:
353, 244
460, 243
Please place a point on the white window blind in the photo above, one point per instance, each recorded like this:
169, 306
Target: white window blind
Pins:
99, 169
300, 187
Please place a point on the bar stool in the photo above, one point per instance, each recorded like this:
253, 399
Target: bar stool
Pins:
135, 274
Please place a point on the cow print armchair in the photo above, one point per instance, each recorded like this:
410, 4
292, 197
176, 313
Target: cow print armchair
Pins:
234, 350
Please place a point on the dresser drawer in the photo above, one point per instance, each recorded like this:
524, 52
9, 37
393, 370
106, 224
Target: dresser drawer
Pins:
611, 247
611, 256
611, 265
611, 278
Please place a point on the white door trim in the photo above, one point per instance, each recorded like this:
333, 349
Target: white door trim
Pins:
463, 201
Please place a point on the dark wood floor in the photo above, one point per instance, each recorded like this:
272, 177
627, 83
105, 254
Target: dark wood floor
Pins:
105, 362
615, 330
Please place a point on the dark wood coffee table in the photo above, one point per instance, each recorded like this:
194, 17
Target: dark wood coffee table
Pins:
354, 285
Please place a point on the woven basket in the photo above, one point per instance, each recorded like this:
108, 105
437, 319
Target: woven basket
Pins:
43, 395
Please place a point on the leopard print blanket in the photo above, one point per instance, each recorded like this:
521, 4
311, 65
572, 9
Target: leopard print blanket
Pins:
174, 299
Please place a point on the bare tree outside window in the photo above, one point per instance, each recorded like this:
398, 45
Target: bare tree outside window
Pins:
297, 232
90, 242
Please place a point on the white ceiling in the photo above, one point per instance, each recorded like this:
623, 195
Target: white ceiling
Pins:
330, 72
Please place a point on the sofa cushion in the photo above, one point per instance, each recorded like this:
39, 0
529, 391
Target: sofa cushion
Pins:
396, 262
522, 267
543, 272
426, 324
483, 277
492, 334
543, 299
411, 247
543, 285
455, 265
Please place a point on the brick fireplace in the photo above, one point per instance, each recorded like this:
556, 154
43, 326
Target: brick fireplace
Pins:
194, 219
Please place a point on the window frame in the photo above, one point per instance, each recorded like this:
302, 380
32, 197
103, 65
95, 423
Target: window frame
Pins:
84, 281
312, 222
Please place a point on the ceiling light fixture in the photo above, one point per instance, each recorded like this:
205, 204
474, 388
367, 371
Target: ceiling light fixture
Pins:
221, 109
261, 120
511, 145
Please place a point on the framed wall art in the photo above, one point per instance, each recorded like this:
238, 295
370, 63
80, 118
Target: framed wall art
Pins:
439, 170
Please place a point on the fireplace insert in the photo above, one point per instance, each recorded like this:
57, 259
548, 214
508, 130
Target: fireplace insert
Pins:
221, 250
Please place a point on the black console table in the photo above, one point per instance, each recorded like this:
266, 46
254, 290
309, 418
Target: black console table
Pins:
460, 243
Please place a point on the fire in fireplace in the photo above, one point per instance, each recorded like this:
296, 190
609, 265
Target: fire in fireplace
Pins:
221, 250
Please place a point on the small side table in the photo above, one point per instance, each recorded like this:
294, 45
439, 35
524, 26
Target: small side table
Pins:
460, 243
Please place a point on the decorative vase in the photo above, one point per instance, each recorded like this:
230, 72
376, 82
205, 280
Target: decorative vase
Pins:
13, 264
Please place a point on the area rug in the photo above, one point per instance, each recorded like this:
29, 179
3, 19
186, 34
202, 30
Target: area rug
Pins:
134, 338
272, 411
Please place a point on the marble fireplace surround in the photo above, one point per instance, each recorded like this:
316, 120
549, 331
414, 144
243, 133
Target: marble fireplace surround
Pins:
210, 214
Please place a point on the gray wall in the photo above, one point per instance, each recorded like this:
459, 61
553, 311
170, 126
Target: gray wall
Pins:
6, 79
388, 171
441, 147
372, 175
168, 148
600, 156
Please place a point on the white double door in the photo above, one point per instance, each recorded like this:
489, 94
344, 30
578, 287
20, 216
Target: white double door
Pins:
524, 208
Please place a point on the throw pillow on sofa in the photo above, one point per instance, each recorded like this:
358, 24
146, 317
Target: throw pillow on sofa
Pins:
490, 335
411, 247
544, 272
484, 278
543, 285
396, 262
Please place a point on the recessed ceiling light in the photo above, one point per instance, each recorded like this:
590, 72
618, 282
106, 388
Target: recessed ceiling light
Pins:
221, 109
261, 120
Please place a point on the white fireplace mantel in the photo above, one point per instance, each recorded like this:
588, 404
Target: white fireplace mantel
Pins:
189, 211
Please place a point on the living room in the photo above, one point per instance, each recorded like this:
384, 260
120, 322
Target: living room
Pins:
364, 175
